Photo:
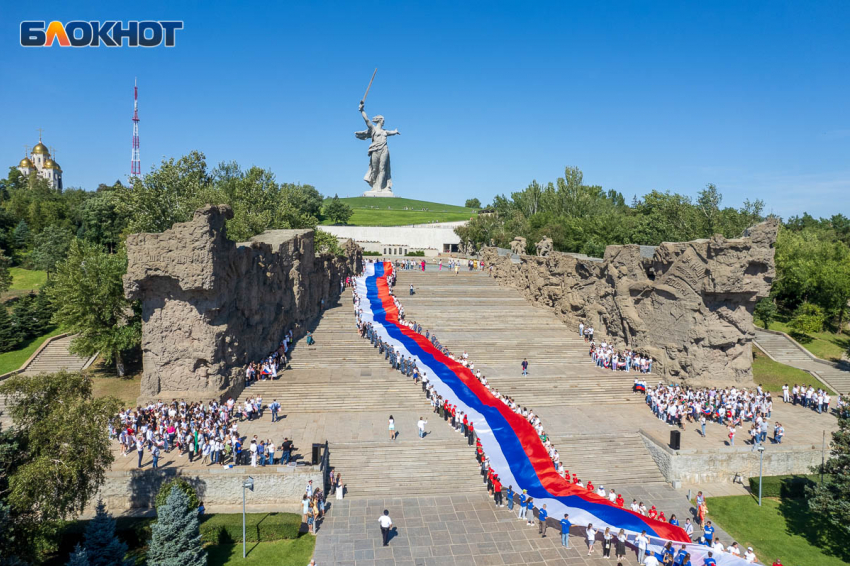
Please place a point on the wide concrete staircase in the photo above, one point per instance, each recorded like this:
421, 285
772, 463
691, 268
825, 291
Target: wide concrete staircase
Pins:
407, 468
343, 379
55, 357
612, 460
787, 351
499, 328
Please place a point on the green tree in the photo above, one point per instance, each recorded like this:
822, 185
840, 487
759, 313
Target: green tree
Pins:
472, 203
88, 300
808, 318
103, 218
10, 338
102, 547
338, 211
176, 538
765, 311
326, 243
5, 275
21, 235
168, 194
50, 247
23, 317
165, 490
832, 497
63, 451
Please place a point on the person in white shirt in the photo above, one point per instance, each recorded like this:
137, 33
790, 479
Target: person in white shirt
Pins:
733, 549
386, 524
421, 425
718, 546
750, 556
641, 540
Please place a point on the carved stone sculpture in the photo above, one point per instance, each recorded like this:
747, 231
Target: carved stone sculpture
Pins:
210, 305
689, 305
518, 245
545, 247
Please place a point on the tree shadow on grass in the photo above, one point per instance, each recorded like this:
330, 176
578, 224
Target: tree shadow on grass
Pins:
815, 528
800, 337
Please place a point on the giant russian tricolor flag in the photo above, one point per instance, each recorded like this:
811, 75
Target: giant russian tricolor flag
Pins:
515, 451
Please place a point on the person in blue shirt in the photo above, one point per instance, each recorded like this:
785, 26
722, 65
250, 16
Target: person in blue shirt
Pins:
522, 510
673, 520
708, 532
529, 507
709, 560
680, 557
565, 531
510, 498
542, 515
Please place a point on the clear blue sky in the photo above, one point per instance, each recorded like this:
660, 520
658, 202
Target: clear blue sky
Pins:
641, 95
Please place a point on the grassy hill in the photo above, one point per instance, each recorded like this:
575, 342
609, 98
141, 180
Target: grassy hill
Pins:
375, 211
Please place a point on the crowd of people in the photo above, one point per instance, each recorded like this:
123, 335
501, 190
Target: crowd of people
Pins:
606, 356
736, 409
507, 495
197, 431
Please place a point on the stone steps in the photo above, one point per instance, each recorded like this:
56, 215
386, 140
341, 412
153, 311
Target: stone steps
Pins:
786, 351
410, 468
56, 357
609, 460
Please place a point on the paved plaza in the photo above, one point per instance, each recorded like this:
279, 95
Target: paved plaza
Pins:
340, 390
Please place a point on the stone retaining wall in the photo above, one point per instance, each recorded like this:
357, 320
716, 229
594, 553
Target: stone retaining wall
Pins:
216, 487
723, 464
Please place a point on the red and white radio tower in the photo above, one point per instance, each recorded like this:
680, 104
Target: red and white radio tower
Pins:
135, 161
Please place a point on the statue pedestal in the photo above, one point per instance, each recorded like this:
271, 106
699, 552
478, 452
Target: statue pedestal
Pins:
383, 194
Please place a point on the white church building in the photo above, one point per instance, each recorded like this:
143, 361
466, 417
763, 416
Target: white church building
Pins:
39, 160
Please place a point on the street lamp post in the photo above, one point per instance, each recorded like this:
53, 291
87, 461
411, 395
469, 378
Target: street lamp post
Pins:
761, 462
247, 484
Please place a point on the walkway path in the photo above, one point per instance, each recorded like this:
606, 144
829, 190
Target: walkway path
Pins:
785, 350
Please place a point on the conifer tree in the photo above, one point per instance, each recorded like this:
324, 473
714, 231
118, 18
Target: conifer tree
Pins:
102, 546
832, 497
9, 337
176, 539
78, 557
22, 317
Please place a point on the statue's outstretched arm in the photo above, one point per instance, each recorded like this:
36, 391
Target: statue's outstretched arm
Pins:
365, 117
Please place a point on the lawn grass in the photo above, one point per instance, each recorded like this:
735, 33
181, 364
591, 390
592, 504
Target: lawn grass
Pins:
773, 375
376, 211
280, 553
10, 361
24, 281
825, 345
126, 388
780, 528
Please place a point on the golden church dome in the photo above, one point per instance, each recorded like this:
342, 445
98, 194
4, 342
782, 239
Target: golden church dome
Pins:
25, 162
49, 164
40, 148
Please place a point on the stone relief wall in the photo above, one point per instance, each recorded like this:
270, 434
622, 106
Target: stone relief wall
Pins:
210, 305
689, 305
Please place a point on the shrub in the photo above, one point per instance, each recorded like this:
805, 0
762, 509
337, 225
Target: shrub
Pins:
259, 527
419, 253
182, 485
373, 254
808, 318
784, 487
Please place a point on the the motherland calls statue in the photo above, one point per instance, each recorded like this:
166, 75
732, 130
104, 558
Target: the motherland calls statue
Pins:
378, 176
518, 245
545, 247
